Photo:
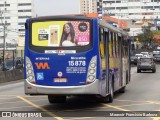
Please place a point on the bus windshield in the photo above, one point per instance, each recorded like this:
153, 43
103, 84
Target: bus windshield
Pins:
60, 33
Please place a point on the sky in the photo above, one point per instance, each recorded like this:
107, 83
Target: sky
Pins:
55, 7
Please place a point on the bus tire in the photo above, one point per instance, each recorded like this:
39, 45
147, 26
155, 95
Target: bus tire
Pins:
111, 95
123, 89
138, 71
56, 99
108, 98
154, 70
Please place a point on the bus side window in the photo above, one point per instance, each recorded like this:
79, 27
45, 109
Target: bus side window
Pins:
102, 49
111, 44
101, 43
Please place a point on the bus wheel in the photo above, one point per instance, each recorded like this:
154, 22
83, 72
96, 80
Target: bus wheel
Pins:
109, 98
122, 90
138, 71
56, 99
111, 95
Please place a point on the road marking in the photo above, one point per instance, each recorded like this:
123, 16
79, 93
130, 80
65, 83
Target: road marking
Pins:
155, 118
41, 108
134, 104
133, 101
115, 107
152, 102
128, 100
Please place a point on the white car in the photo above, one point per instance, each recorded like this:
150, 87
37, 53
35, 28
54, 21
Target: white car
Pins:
156, 52
145, 54
158, 47
139, 55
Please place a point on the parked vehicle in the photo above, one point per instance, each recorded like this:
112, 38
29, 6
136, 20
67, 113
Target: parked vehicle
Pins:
157, 57
145, 54
139, 56
133, 60
155, 52
146, 63
10, 65
158, 47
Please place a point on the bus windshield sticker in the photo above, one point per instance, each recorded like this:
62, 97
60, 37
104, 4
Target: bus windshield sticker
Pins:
60, 51
40, 76
60, 33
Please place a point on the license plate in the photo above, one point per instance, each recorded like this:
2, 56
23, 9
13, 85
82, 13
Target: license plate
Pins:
145, 64
60, 79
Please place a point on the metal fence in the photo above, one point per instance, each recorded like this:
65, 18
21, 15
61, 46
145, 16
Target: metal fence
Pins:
11, 60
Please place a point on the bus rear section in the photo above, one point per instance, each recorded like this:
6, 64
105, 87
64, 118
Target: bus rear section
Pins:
61, 58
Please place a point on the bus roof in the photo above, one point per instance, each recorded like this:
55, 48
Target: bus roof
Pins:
68, 17
111, 27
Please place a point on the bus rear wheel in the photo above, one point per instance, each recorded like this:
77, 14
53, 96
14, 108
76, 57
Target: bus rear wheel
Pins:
122, 90
109, 98
56, 99
111, 95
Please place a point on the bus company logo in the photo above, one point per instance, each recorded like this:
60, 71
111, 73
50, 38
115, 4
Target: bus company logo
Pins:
42, 65
60, 74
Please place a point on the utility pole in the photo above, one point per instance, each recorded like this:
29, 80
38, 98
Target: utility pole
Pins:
4, 42
4, 33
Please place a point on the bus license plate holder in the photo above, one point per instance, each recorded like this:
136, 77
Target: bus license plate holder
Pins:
60, 80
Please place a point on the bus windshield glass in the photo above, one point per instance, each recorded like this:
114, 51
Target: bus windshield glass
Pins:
60, 33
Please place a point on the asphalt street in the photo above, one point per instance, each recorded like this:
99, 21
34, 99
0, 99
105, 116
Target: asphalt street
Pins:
142, 94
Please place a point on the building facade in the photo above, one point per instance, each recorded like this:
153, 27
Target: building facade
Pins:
132, 9
88, 6
13, 14
135, 11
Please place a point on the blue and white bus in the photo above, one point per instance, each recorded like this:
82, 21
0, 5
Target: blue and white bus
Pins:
75, 55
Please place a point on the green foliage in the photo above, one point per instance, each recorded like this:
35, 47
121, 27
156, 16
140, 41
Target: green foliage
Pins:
146, 36
157, 32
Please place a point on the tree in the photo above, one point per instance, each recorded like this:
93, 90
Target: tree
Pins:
147, 36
